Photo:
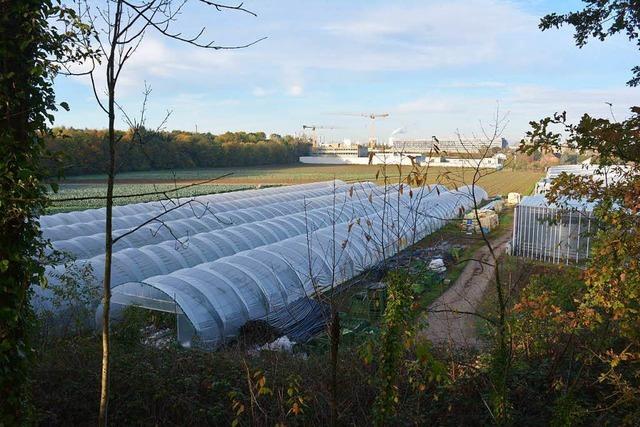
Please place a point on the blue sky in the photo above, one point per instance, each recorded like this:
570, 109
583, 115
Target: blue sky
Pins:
437, 67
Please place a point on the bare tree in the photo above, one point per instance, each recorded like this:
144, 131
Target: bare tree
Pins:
386, 217
478, 150
471, 173
327, 293
120, 26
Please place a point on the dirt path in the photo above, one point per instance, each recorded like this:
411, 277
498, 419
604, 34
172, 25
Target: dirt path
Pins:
446, 327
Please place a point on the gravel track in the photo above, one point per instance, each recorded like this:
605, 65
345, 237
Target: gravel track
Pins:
448, 323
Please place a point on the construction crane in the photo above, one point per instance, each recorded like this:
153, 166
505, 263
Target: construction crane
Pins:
314, 129
373, 139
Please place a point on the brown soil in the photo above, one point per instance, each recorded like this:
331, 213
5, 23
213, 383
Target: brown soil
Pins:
450, 322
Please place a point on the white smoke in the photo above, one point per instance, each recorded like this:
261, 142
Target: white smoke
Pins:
398, 131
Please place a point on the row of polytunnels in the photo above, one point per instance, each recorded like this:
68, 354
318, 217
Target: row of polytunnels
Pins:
218, 261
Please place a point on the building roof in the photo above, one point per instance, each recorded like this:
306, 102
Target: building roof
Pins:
540, 201
612, 172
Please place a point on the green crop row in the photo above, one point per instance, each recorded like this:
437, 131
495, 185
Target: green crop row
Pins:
93, 196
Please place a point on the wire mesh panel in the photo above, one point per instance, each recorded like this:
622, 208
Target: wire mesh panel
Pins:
552, 234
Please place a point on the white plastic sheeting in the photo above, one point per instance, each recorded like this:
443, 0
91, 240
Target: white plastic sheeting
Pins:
215, 298
87, 246
138, 263
89, 215
222, 211
65, 226
598, 173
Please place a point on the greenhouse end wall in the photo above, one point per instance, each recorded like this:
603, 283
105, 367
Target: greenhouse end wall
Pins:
549, 234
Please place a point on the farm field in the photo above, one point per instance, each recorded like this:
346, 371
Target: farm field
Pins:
98, 191
499, 182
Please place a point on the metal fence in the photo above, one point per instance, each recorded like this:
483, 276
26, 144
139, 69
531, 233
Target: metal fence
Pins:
552, 235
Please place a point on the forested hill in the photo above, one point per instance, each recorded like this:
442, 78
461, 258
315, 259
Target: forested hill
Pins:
84, 151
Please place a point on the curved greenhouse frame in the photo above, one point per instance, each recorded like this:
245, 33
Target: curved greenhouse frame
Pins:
276, 267
87, 246
138, 263
65, 226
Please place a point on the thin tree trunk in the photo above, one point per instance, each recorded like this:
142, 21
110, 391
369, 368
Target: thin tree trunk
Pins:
335, 345
111, 84
104, 387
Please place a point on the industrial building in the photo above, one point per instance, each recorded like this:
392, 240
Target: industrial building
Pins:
248, 255
347, 150
434, 147
348, 156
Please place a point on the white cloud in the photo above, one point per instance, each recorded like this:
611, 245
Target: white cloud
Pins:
199, 101
430, 34
157, 59
430, 104
443, 111
456, 20
260, 92
450, 60
381, 37
538, 95
295, 90
527, 97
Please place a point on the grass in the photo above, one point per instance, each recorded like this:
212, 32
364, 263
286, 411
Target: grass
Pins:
517, 273
453, 273
97, 192
500, 182
356, 309
432, 291
452, 232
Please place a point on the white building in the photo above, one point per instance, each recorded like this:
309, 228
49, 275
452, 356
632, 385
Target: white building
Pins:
380, 158
333, 150
605, 175
445, 146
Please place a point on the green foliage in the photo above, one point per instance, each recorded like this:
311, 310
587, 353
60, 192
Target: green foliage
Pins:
605, 318
86, 151
428, 285
569, 158
31, 51
609, 140
601, 19
567, 411
173, 386
500, 373
395, 338
71, 301
86, 192
608, 309
564, 360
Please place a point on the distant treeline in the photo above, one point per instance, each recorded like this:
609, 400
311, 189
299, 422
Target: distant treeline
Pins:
84, 151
